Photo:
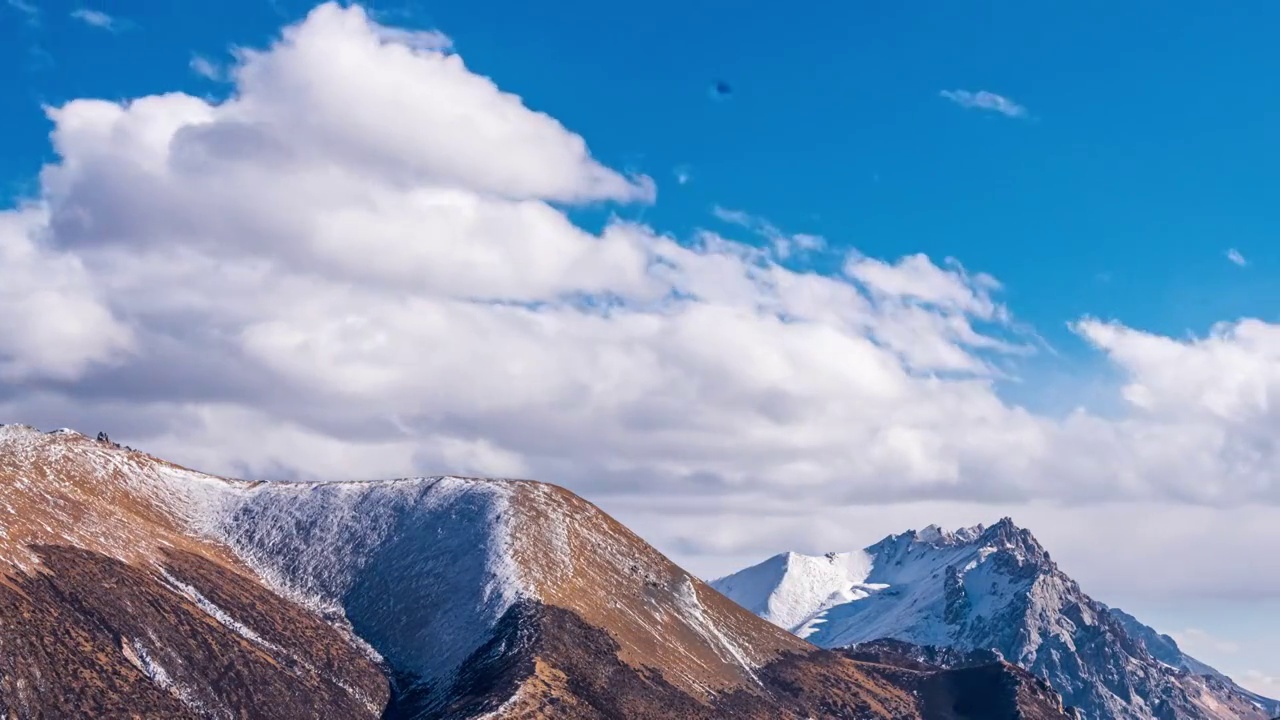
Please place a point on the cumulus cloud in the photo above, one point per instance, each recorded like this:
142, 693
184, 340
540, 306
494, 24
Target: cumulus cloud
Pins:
360, 263
984, 100
53, 324
1229, 378
1236, 258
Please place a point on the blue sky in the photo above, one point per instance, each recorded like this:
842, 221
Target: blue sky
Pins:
1146, 150
1146, 153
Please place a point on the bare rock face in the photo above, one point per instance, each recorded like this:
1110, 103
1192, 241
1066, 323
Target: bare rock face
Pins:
131, 587
988, 589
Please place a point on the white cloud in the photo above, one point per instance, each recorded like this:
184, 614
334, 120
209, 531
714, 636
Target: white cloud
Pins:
1229, 378
737, 217
415, 116
206, 68
360, 264
1235, 257
984, 100
95, 18
683, 175
53, 325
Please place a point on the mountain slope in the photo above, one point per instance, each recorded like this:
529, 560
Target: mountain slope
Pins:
109, 607
133, 587
1166, 650
984, 588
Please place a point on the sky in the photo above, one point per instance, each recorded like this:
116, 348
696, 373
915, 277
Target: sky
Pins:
929, 263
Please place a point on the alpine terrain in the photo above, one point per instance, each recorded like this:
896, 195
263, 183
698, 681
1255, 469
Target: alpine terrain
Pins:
132, 587
955, 599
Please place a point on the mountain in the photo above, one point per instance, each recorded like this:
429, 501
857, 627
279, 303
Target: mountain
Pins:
1161, 646
990, 588
132, 587
1166, 650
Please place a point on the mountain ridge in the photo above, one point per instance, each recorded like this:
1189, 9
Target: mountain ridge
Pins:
148, 588
978, 588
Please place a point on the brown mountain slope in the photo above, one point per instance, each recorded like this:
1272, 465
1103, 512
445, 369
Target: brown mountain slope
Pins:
130, 587
109, 607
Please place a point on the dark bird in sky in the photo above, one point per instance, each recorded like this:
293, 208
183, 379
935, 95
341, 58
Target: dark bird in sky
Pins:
721, 90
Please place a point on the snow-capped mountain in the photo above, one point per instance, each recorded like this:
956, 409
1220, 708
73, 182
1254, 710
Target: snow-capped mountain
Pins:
989, 588
145, 589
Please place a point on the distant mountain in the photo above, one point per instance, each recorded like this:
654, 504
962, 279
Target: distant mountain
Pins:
131, 587
991, 588
1166, 650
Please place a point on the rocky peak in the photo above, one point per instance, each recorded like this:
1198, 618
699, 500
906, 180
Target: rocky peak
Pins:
1002, 534
996, 588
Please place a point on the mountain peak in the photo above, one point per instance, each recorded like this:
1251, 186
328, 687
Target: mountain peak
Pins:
995, 588
1004, 529
1004, 536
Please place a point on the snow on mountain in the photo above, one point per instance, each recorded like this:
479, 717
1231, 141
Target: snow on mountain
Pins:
147, 589
419, 568
124, 610
422, 569
793, 591
984, 588
904, 587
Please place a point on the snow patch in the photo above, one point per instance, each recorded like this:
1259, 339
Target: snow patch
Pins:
217, 613
687, 597
136, 653
793, 591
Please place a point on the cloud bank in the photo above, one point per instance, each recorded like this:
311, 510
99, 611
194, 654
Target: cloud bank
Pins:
360, 264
